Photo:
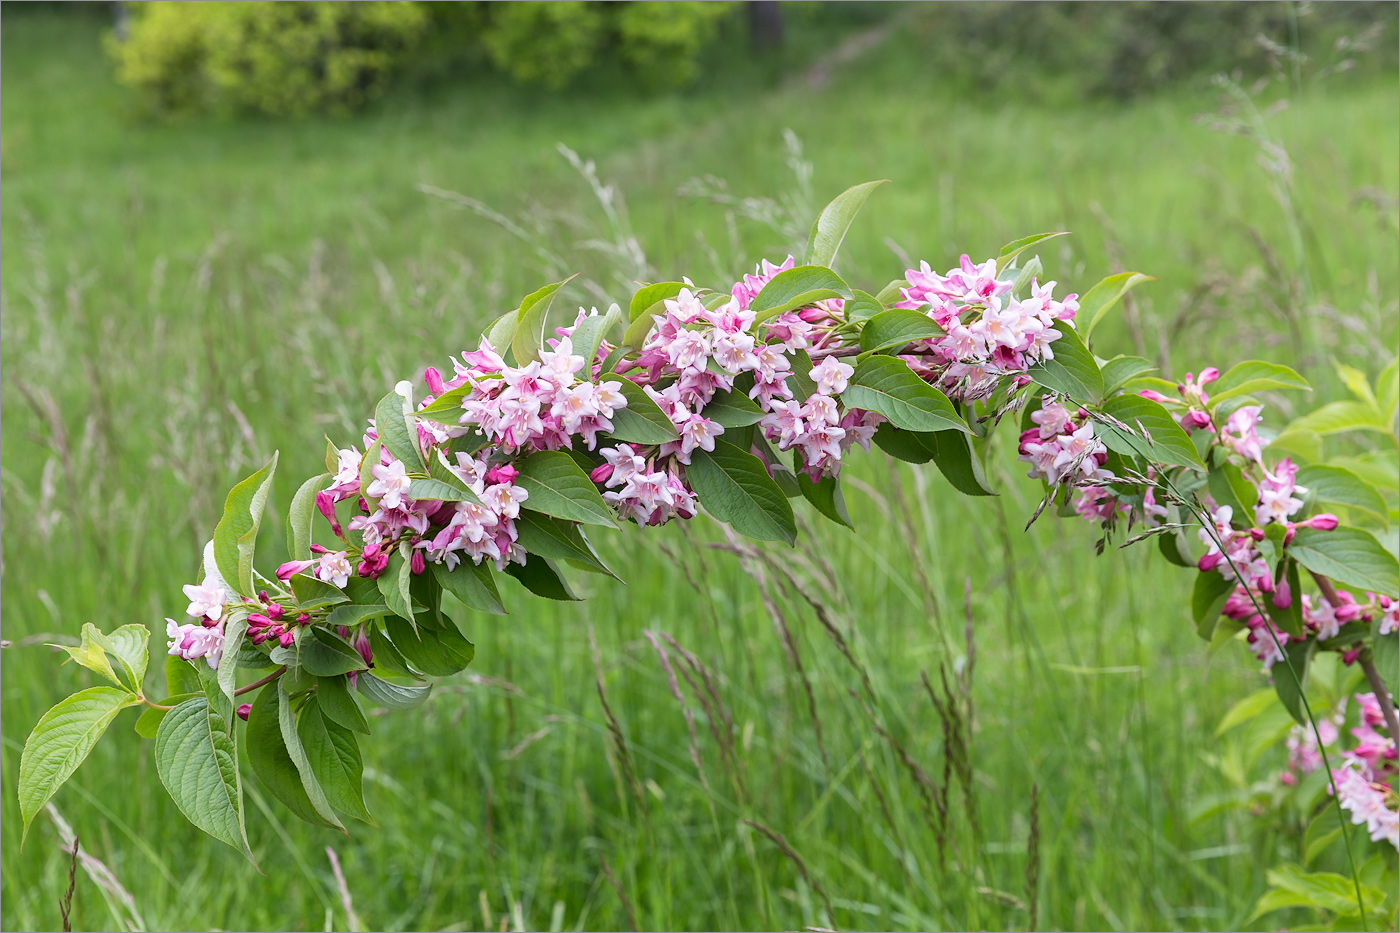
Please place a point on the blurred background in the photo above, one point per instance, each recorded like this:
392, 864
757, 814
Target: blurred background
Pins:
229, 228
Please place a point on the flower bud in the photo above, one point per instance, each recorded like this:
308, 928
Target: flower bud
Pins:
1209, 374
291, 568
601, 473
434, 380
416, 562
274, 611
502, 474
286, 639
1154, 396
1323, 521
243, 710
1350, 657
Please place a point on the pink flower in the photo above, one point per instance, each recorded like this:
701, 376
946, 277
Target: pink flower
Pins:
831, 376
195, 641
333, 567
698, 432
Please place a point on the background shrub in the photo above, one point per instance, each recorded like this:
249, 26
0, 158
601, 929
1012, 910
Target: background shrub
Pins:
276, 58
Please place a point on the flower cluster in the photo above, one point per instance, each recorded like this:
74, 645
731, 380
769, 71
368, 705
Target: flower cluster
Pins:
989, 333
203, 638
1366, 779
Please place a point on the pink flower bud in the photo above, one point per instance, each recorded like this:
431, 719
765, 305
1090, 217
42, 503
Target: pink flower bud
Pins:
274, 611
1208, 562
286, 639
1350, 657
291, 568
1154, 396
362, 646
1283, 596
319, 549
434, 380
302, 618
601, 473
262, 595
1209, 374
1195, 419
416, 562
812, 315
502, 474
1289, 778
258, 620
243, 710
1257, 534
1323, 521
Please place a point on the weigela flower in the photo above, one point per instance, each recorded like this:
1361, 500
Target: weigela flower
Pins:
206, 600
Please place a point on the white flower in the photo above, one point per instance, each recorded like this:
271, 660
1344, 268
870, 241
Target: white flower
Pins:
333, 567
832, 376
348, 466
390, 484
206, 600
195, 641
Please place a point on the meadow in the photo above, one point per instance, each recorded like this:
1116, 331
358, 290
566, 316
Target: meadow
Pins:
178, 300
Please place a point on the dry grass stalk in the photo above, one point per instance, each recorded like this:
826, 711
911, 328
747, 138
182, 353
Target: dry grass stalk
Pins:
693, 738
352, 921
621, 894
787, 850
620, 753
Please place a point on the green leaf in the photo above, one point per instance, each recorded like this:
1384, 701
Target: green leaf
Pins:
394, 586
448, 403
646, 297
826, 497
1254, 376
327, 655
61, 740
234, 630
1208, 599
1013, 249
334, 755
862, 306
1120, 369
356, 613
315, 594
558, 487
501, 334
1169, 443
1245, 710
902, 445
834, 220
1290, 687
733, 410
541, 576
435, 489
91, 654
1342, 487
437, 653
180, 676
589, 334
734, 486
339, 705
397, 431
1304, 446
197, 759
237, 532
1172, 544
1388, 388
386, 656
1356, 383
391, 694
1073, 371
1228, 486
1350, 556
300, 516
1340, 417
549, 537
642, 421
530, 332
1102, 297
1323, 890
895, 328
1290, 618
797, 288
148, 723
953, 455
373, 456
887, 385
892, 292
473, 584
279, 760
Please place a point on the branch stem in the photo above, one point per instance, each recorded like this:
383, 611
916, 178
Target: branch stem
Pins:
1368, 664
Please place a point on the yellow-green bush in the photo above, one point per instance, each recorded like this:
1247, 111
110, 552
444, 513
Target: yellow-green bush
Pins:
272, 57
289, 58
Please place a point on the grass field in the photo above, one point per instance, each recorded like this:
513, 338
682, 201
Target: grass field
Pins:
180, 300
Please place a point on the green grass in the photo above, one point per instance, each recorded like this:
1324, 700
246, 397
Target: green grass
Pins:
161, 284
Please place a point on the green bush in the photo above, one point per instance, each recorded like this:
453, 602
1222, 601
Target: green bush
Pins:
264, 56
